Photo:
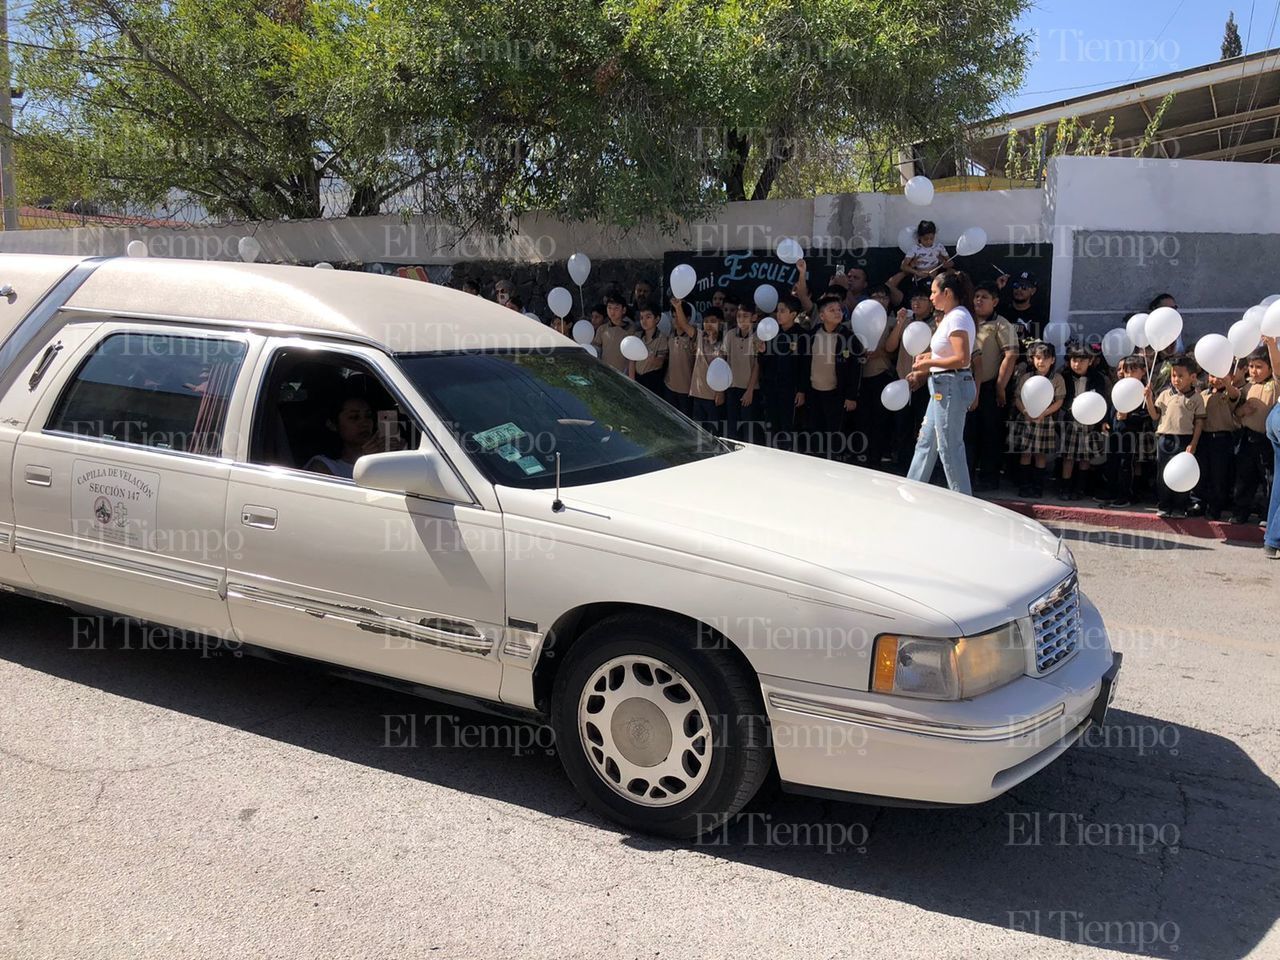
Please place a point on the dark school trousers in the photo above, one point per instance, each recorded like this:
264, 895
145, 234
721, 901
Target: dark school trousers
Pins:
872, 420
1252, 458
985, 434
1216, 455
1168, 446
826, 413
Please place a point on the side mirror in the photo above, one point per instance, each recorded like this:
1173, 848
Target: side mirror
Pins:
419, 472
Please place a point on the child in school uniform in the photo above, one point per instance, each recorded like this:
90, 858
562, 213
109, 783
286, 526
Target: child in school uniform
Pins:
1036, 439
741, 348
609, 337
835, 372
682, 344
784, 372
1255, 453
1080, 442
1217, 451
707, 405
1179, 412
651, 371
1124, 433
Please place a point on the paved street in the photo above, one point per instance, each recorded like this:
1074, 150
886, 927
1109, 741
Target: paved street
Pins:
166, 804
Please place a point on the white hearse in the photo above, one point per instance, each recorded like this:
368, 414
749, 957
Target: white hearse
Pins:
419, 487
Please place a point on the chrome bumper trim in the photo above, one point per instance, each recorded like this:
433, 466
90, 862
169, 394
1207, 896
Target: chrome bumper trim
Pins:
823, 710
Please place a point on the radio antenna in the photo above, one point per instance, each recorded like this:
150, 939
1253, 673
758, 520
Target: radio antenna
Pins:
557, 505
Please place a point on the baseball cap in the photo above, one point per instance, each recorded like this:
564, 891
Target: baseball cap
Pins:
1026, 279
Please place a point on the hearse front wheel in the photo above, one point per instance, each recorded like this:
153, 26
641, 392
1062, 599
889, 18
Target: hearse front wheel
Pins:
657, 731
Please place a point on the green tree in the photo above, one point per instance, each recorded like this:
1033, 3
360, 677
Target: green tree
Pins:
477, 112
1231, 45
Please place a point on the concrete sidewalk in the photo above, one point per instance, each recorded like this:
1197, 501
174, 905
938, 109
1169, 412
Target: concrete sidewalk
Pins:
1046, 509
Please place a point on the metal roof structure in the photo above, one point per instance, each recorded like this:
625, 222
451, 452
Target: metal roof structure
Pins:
1228, 110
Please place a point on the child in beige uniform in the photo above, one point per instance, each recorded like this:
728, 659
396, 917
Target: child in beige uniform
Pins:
651, 371
1255, 450
741, 349
706, 405
1179, 410
609, 337
681, 346
1216, 453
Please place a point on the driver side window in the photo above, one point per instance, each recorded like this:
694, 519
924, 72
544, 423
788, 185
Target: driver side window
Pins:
320, 411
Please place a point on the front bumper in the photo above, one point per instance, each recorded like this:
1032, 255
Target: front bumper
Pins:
833, 741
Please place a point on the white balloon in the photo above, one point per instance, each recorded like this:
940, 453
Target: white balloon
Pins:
869, 321
719, 374
1128, 394
919, 190
136, 248
1058, 333
324, 265
1245, 334
249, 248
579, 268
789, 250
1037, 394
907, 239
1116, 345
1164, 325
915, 339
1089, 408
767, 329
683, 279
766, 297
971, 241
560, 301
1271, 321
1182, 473
584, 332
896, 395
1213, 353
1137, 330
590, 348
1268, 301
633, 348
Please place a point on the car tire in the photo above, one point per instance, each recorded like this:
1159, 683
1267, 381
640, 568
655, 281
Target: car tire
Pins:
659, 732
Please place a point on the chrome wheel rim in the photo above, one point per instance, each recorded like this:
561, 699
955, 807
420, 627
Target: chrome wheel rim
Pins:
645, 731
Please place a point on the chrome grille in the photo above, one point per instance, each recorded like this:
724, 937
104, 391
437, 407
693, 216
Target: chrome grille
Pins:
1056, 621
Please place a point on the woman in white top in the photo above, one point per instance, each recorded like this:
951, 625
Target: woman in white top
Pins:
947, 365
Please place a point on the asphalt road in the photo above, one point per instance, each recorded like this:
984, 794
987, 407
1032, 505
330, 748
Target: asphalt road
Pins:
159, 803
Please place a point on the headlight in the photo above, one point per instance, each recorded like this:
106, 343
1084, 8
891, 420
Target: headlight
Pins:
949, 669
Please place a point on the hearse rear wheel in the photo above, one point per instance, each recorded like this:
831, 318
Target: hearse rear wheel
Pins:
656, 731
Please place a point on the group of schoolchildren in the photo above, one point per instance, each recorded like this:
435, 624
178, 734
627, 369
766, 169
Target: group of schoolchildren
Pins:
815, 388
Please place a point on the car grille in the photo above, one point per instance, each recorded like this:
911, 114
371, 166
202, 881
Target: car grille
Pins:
1056, 620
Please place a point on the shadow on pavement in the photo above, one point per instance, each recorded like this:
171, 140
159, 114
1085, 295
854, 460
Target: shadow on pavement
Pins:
1150, 838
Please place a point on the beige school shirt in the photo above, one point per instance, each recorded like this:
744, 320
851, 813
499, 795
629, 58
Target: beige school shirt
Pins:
608, 340
878, 364
1256, 420
1219, 412
1055, 379
708, 350
1179, 412
680, 350
822, 365
995, 336
658, 350
740, 351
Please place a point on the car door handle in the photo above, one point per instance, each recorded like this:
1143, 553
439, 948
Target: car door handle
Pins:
262, 517
38, 476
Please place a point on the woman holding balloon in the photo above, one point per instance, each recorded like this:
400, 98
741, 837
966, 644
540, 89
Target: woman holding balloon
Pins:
947, 364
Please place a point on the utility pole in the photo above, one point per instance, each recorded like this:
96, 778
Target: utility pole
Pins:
8, 193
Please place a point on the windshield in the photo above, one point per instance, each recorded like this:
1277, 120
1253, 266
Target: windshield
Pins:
514, 411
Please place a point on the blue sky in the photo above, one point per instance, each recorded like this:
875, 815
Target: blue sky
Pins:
1089, 45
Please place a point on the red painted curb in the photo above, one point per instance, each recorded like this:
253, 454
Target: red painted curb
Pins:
1128, 520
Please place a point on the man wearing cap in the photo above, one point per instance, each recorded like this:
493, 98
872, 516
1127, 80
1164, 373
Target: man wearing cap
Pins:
1020, 307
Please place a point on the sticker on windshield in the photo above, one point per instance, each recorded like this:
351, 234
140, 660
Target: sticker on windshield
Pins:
577, 380
509, 452
530, 465
495, 437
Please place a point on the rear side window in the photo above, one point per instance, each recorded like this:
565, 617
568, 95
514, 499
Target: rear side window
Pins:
153, 390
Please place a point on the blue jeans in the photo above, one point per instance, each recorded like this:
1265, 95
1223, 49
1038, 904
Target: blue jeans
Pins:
1273, 511
942, 433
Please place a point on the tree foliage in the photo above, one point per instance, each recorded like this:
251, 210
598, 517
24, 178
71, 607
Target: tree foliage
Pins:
1231, 45
623, 110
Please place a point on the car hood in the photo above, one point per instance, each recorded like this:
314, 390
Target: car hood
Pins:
853, 531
